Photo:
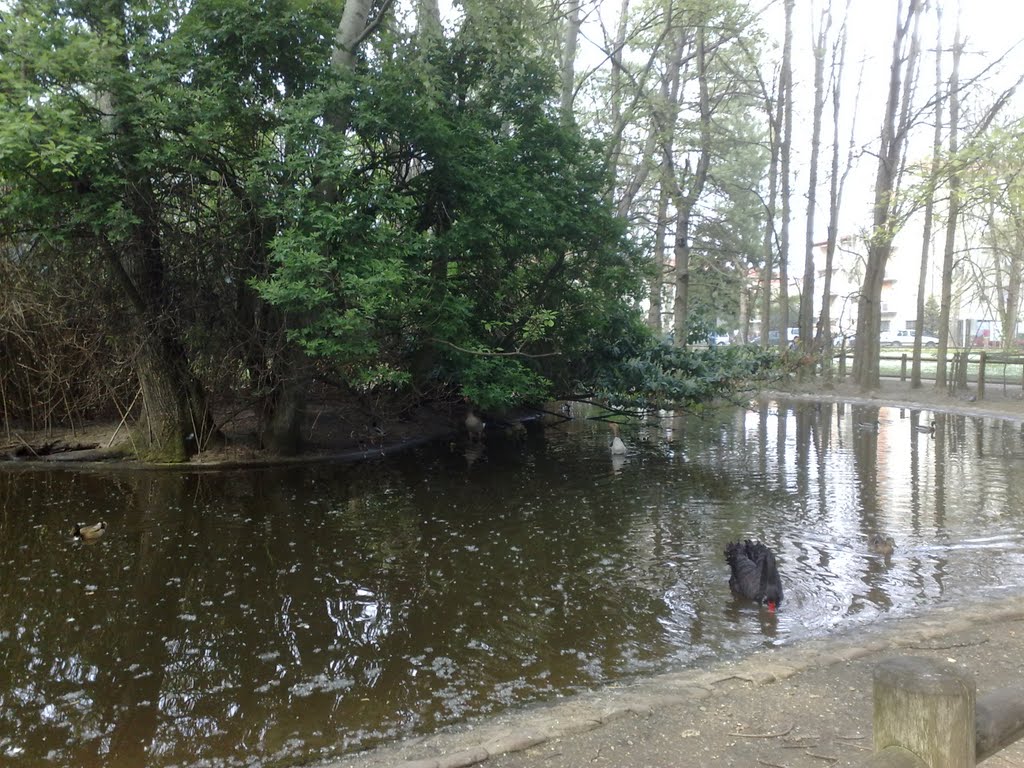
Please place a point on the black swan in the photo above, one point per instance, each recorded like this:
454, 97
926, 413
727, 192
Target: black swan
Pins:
754, 573
89, 532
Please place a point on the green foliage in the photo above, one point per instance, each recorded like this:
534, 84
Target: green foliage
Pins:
931, 316
463, 219
423, 222
660, 375
160, 111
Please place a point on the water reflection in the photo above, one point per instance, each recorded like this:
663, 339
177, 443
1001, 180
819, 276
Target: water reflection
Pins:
292, 614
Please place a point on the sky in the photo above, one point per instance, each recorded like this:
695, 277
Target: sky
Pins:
990, 28
993, 52
993, 32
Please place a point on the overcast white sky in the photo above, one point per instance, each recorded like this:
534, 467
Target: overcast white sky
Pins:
991, 28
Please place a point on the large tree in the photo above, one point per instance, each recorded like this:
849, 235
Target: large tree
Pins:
680, 128
128, 142
888, 208
468, 241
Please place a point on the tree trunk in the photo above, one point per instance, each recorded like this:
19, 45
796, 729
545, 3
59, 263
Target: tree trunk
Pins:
568, 69
929, 207
744, 312
350, 33
775, 128
687, 202
1016, 275
286, 406
661, 131
784, 171
834, 197
177, 417
953, 215
807, 297
1008, 276
654, 319
681, 251
891, 163
615, 91
428, 24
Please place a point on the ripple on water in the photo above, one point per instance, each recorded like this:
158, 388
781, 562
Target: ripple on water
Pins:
284, 615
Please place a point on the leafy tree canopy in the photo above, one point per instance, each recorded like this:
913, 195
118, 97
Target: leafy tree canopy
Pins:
466, 240
196, 171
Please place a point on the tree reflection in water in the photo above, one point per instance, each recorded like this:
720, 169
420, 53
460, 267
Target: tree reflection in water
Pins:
282, 615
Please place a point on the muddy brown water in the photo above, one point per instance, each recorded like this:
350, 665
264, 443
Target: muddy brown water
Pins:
280, 616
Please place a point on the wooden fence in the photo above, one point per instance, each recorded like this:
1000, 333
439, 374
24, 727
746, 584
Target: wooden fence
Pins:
983, 369
927, 715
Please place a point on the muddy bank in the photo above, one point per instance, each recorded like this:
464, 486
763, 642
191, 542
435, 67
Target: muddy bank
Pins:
334, 433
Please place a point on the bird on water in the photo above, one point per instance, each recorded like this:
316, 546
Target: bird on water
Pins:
754, 573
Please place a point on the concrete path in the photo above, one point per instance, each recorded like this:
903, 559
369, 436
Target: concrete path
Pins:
803, 705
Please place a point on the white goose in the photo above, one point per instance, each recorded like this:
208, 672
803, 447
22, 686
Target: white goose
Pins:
618, 447
474, 426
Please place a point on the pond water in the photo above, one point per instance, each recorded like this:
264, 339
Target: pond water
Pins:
277, 616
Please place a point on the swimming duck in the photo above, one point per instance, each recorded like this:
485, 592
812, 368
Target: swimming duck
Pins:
89, 532
928, 428
881, 544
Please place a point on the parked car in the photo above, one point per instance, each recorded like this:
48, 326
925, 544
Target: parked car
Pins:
719, 339
905, 338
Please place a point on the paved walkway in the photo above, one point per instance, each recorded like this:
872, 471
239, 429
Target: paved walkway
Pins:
808, 704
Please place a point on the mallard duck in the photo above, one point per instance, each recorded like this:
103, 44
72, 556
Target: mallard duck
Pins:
928, 428
89, 532
618, 447
881, 544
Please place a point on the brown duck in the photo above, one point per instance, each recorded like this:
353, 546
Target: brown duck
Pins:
89, 532
881, 544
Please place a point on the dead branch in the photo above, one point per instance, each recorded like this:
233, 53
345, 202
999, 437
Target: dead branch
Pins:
485, 353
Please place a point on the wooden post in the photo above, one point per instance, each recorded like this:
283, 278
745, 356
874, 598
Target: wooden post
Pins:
982, 356
1000, 720
927, 708
903, 367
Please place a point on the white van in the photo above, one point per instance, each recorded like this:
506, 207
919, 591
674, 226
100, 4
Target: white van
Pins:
905, 338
